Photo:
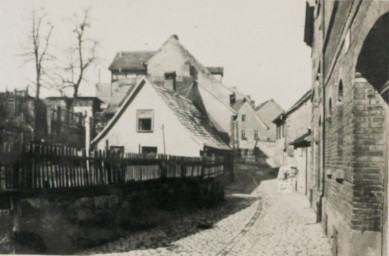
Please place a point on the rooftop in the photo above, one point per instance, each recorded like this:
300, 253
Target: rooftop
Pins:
133, 60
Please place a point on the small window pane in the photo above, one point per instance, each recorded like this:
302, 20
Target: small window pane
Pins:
145, 120
144, 124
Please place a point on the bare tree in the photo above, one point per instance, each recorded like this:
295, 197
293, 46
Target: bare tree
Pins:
36, 50
80, 56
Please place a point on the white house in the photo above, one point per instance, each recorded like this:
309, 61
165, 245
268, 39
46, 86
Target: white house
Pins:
155, 119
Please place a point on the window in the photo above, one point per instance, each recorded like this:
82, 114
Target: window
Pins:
243, 118
243, 135
330, 107
149, 150
256, 134
145, 120
340, 92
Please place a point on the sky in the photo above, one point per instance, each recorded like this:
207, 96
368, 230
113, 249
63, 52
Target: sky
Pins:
258, 42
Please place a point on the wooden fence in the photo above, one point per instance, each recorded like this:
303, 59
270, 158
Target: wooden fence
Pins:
37, 167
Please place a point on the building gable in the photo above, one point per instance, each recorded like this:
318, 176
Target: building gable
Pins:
168, 134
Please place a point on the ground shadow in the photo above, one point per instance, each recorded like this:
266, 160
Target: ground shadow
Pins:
188, 218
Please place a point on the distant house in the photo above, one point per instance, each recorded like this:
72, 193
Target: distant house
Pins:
156, 119
129, 65
268, 111
293, 145
290, 126
251, 127
87, 106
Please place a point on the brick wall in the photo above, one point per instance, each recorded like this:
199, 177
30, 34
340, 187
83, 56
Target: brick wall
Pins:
354, 142
354, 134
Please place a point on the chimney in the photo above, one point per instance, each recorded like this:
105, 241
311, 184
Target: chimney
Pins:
175, 36
170, 81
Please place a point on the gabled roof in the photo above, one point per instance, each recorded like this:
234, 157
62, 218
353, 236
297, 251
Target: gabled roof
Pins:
196, 122
299, 103
266, 102
240, 102
133, 60
204, 78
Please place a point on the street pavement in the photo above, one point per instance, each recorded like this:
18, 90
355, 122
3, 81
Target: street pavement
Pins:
263, 222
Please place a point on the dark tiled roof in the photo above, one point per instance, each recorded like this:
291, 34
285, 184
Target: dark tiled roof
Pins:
216, 70
196, 122
130, 60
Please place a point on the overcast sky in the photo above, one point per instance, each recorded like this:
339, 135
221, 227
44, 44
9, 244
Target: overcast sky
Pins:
259, 42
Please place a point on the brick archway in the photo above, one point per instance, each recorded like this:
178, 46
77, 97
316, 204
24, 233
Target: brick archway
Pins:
372, 72
373, 59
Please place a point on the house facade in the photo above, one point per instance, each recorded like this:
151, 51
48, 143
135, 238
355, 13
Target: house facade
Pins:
268, 111
155, 119
350, 60
251, 128
291, 125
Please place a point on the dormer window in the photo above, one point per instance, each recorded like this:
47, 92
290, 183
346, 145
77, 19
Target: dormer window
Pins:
243, 118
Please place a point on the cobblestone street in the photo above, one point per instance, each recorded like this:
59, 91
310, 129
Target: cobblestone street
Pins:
263, 222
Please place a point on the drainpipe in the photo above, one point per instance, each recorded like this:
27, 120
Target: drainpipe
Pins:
322, 116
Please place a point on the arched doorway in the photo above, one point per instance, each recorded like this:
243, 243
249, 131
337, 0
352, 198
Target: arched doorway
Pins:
373, 66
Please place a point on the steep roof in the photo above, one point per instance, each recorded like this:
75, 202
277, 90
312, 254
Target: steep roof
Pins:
204, 77
299, 103
266, 114
266, 102
196, 122
133, 60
